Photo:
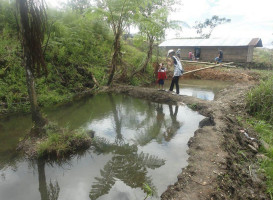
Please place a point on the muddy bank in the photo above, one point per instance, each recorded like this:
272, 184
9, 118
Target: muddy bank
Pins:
222, 163
237, 75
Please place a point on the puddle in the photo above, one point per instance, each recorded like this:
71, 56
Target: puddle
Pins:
136, 142
202, 89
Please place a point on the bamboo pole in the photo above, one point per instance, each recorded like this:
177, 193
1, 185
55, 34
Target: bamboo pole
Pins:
196, 70
208, 63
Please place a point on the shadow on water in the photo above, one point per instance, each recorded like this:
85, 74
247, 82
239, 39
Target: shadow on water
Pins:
135, 142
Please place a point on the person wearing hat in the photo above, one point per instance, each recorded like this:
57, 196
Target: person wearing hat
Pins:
178, 70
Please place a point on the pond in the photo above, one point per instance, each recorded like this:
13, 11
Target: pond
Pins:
202, 89
136, 142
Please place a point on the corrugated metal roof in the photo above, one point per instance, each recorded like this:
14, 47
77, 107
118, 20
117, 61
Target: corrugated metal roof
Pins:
257, 42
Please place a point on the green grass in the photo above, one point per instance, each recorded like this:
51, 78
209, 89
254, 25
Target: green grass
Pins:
265, 131
60, 141
260, 101
260, 106
263, 56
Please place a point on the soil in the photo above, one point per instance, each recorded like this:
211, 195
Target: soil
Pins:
238, 75
223, 162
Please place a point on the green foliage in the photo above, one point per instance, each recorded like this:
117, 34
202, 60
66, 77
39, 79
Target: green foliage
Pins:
265, 131
78, 5
7, 18
76, 44
61, 141
260, 101
140, 42
152, 18
193, 106
148, 190
267, 166
264, 56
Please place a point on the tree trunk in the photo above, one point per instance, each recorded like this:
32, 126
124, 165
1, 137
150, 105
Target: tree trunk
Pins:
149, 54
115, 57
37, 117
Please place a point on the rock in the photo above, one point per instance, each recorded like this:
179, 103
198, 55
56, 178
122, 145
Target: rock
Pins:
253, 148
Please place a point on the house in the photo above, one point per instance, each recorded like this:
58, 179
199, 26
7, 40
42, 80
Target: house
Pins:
235, 50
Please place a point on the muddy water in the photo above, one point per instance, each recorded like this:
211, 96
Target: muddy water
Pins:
136, 142
202, 89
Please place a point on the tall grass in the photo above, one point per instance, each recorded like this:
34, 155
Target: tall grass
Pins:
262, 55
265, 131
260, 105
260, 101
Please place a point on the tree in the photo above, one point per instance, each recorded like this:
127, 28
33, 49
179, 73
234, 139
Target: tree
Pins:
208, 25
118, 14
152, 23
32, 29
78, 5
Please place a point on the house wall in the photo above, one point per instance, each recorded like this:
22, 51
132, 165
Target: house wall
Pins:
235, 54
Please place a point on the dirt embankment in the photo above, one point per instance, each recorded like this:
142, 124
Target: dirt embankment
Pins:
237, 75
222, 162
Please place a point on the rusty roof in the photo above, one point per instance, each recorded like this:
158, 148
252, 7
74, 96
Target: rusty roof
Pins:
224, 42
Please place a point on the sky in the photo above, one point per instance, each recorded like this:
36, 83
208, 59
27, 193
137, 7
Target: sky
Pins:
249, 18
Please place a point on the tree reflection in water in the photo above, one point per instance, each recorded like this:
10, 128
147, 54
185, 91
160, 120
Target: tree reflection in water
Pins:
126, 164
50, 191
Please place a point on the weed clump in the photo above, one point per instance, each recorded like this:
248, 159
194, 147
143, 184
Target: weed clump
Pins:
56, 142
260, 101
59, 142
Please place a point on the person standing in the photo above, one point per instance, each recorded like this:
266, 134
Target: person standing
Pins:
178, 70
161, 76
190, 55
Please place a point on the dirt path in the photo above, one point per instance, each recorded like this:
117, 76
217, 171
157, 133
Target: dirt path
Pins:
222, 158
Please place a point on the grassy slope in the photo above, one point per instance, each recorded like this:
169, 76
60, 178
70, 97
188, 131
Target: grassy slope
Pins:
260, 106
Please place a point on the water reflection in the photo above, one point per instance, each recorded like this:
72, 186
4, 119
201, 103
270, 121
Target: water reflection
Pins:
135, 142
117, 119
175, 125
126, 165
47, 192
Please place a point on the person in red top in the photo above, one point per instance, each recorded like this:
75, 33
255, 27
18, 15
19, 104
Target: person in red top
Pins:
161, 76
190, 55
